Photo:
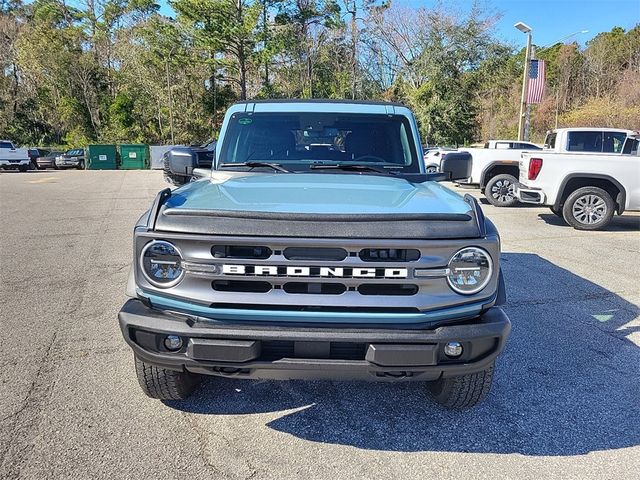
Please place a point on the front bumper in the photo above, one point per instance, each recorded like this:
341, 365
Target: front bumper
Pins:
530, 195
67, 163
45, 163
287, 352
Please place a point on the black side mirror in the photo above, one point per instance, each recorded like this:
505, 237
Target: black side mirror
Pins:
457, 165
179, 163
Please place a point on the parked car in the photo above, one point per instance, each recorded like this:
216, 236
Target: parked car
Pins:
316, 247
48, 160
585, 189
13, 158
74, 158
433, 158
34, 153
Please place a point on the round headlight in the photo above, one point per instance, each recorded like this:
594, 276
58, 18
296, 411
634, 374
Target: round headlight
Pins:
470, 270
161, 264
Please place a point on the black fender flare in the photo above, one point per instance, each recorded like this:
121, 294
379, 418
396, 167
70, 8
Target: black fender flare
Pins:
507, 163
620, 199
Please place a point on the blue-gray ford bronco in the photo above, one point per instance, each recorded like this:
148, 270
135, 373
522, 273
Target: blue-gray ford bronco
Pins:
316, 247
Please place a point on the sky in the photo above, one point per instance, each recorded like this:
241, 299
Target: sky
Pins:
551, 20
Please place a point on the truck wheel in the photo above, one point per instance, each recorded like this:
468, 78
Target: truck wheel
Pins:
464, 391
163, 384
23, 168
501, 190
588, 208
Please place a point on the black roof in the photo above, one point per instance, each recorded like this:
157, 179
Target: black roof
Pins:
320, 100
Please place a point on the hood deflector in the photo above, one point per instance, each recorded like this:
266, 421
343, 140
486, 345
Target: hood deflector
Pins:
282, 224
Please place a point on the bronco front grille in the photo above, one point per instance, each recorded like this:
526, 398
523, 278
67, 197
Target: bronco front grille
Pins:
258, 268
312, 275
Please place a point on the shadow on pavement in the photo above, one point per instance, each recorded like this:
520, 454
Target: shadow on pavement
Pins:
619, 223
568, 383
483, 201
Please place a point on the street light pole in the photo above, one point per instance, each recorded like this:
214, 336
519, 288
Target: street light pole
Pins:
525, 79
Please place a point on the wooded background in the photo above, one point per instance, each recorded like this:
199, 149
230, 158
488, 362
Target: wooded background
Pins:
73, 73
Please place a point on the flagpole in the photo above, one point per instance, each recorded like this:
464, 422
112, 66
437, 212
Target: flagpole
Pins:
525, 77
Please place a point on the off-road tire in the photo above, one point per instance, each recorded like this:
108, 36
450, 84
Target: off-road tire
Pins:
164, 384
506, 197
464, 391
599, 199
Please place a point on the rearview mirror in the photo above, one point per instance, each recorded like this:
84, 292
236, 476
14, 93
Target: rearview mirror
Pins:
457, 165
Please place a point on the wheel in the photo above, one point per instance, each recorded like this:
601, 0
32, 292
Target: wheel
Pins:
464, 391
23, 168
556, 211
501, 190
432, 169
165, 384
588, 208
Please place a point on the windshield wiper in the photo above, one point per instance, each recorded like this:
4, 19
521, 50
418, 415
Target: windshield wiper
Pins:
353, 167
275, 166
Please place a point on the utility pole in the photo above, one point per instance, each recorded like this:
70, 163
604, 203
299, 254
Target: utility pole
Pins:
525, 80
166, 64
354, 46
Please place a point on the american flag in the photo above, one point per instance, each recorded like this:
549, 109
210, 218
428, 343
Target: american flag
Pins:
535, 88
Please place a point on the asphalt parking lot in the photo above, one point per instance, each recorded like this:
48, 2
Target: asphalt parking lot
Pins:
565, 402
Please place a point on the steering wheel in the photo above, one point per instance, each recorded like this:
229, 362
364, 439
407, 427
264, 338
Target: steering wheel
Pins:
373, 157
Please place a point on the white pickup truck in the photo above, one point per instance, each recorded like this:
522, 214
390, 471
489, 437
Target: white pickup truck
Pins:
12, 158
585, 189
495, 167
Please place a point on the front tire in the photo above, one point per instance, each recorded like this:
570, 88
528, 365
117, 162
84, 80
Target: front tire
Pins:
464, 391
164, 384
501, 190
588, 208
23, 168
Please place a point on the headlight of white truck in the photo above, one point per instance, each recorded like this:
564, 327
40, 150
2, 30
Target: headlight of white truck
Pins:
470, 270
161, 264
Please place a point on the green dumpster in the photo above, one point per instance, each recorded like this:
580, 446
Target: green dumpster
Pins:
134, 157
102, 157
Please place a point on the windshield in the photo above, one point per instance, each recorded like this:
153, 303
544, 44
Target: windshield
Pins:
301, 140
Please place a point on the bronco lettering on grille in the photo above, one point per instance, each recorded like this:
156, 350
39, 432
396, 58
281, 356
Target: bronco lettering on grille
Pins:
329, 272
